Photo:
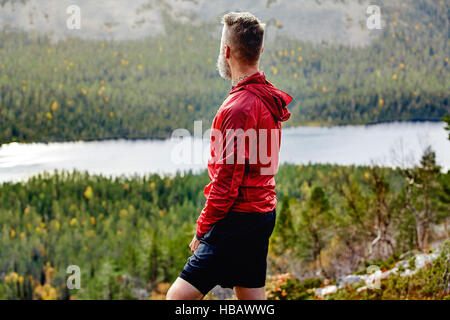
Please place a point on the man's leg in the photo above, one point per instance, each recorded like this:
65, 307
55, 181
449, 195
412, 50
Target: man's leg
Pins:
183, 290
250, 293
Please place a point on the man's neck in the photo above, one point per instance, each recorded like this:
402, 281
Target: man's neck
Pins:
241, 75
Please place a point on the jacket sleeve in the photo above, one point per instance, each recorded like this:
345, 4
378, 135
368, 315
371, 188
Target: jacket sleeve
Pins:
224, 186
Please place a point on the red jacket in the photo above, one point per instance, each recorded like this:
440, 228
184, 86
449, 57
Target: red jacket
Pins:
242, 186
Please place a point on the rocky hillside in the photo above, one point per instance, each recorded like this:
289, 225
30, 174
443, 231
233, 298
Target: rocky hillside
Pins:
415, 276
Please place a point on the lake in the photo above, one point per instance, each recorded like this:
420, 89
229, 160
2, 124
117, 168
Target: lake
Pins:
345, 145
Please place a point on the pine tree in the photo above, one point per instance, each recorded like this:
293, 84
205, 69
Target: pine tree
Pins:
154, 258
284, 232
422, 195
315, 221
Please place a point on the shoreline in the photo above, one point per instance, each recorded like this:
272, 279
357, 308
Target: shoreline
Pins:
287, 126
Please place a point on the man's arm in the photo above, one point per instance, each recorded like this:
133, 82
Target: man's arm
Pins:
229, 174
223, 193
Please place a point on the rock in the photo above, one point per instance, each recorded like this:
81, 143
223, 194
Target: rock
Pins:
222, 293
373, 280
140, 294
408, 273
420, 261
347, 280
403, 264
423, 259
408, 254
321, 292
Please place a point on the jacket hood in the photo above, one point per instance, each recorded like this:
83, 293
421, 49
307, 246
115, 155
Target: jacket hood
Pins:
275, 99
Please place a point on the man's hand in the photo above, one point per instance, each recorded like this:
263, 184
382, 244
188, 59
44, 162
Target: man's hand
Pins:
194, 244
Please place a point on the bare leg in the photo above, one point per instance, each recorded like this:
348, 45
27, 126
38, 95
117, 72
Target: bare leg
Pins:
250, 293
183, 290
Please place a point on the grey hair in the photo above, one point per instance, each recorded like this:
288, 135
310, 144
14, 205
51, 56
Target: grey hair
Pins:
244, 34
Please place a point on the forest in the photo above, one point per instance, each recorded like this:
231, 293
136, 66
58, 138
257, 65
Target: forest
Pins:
77, 89
130, 236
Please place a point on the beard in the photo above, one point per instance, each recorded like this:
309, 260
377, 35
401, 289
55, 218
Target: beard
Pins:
223, 67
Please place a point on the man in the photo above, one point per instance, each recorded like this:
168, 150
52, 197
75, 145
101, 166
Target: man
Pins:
231, 243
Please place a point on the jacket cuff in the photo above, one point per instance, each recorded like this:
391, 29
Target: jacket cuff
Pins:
198, 237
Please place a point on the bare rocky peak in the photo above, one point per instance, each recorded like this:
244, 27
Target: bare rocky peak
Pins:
316, 20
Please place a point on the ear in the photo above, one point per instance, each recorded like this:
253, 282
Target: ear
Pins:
262, 50
227, 52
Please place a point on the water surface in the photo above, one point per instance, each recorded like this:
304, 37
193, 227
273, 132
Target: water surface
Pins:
346, 145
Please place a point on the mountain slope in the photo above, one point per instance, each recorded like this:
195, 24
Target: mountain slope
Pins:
91, 89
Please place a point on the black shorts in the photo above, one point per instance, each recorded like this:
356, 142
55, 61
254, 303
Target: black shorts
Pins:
232, 253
